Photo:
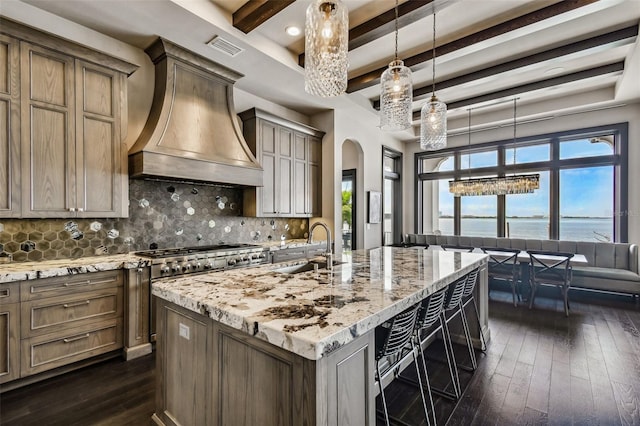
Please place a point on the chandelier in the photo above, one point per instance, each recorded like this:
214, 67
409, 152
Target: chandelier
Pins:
433, 115
396, 93
503, 185
326, 45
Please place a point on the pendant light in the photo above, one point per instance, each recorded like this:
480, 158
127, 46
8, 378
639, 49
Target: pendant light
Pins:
503, 185
326, 45
396, 93
433, 116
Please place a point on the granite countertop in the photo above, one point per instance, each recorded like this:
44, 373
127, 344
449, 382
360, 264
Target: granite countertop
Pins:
313, 313
18, 271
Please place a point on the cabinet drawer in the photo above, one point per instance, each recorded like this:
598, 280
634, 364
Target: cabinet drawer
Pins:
54, 350
9, 293
70, 284
58, 313
316, 251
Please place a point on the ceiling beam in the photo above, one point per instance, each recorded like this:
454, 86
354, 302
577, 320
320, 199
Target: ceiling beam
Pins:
419, 61
381, 25
537, 85
623, 36
255, 12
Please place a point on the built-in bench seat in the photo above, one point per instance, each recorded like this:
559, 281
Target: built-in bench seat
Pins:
612, 266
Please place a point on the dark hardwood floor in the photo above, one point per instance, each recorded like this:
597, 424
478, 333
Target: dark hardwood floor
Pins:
540, 368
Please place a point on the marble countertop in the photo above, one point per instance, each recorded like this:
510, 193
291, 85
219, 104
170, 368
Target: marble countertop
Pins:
314, 313
18, 271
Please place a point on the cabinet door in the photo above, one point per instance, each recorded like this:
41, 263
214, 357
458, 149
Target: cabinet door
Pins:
9, 127
268, 156
99, 160
48, 141
314, 194
9, 332
284, 189
301, 177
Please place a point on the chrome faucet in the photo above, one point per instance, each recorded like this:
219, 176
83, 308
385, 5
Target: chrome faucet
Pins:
328, 255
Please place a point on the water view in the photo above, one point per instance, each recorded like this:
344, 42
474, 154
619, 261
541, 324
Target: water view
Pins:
573, 229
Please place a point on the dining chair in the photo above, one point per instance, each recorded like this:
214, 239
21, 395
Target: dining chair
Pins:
550, 268
458, 248
392, 338
503, 265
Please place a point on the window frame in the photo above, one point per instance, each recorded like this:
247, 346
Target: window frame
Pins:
619, 160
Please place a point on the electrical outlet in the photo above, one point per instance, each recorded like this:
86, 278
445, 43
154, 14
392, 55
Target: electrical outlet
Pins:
183, 331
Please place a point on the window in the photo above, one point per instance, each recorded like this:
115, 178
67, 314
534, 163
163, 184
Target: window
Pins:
391, 197
581, 218
582, 195
527, 215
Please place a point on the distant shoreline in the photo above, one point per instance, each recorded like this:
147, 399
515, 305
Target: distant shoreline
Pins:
527, 217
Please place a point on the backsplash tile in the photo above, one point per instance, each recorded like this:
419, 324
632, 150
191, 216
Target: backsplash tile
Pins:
163, 214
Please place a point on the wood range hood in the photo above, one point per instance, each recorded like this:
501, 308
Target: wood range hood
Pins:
192, 133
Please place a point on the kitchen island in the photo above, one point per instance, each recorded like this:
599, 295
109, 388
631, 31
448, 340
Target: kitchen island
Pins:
286, 344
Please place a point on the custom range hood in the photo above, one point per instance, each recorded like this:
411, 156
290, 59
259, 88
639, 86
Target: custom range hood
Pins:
192, 133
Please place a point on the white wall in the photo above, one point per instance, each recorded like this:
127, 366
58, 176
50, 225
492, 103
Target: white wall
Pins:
624, 113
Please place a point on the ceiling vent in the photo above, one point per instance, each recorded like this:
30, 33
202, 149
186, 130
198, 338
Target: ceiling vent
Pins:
224, 46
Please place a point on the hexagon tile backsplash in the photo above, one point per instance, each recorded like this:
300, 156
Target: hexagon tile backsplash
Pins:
162, 214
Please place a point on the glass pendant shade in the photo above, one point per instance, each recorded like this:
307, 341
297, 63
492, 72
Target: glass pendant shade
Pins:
396, 95
433, 125
326, 47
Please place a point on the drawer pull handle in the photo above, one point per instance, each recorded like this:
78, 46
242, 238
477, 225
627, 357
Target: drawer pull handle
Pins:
73, 305
73, 339
87, 282
4, 292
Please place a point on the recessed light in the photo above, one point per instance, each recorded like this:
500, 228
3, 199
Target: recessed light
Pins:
293, 31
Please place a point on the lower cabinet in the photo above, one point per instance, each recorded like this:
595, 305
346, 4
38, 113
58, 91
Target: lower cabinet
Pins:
9, 332
295, 253
52, 322
210, 374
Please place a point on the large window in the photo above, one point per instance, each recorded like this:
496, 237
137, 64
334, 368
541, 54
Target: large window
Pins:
582, 195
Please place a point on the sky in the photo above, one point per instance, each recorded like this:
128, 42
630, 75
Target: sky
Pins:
583, 192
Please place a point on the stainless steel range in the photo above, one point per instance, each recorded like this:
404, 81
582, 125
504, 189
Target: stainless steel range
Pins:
188, 260
191, 260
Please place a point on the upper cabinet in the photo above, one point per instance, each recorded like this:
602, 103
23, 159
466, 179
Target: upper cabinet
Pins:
290, 154
70, 112
9, 127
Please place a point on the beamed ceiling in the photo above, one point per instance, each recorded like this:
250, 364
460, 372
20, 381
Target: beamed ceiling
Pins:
539, 51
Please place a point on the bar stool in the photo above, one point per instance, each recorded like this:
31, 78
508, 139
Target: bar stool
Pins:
468, 297
428, 316
392, 338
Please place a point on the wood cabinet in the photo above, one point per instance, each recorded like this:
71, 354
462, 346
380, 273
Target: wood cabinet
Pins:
9, 127
243, 380
290, 154
53, 322
71, 114
9, 332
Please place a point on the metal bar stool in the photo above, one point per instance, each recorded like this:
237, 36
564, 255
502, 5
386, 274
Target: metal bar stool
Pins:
468, 297
392, 338
428, 316
452, 299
